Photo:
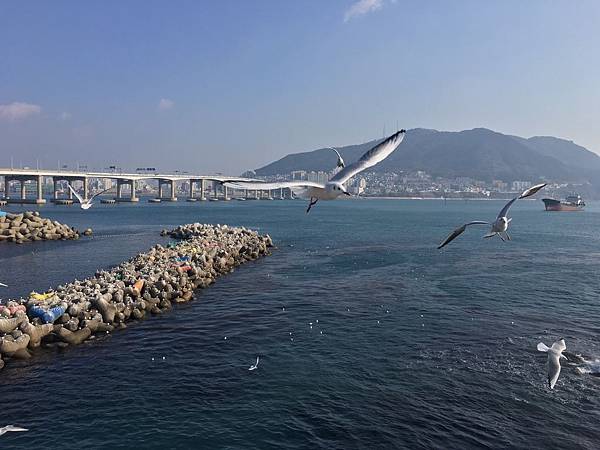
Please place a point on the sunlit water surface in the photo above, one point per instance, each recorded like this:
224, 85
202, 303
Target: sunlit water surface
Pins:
413, 348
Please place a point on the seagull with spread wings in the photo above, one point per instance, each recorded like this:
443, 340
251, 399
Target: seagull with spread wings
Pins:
500, 225
554, 356
340, 160
255, 365
334, 187
86, 204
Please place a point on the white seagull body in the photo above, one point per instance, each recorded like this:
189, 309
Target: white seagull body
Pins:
8, 428
334, 187
86, 204
340, 160
255, 365
500, 225
554, 355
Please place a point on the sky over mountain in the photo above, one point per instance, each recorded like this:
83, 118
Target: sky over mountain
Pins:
226, 86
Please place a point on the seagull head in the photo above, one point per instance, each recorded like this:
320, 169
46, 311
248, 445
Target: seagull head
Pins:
337, 188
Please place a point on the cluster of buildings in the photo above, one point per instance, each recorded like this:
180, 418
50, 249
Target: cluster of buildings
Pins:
420, 184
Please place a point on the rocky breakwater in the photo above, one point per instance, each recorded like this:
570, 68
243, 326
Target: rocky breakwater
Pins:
29, 226
147, 284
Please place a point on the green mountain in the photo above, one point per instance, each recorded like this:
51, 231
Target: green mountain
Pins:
478, 153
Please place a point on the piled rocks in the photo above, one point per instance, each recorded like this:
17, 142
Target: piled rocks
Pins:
29, 226
147, 284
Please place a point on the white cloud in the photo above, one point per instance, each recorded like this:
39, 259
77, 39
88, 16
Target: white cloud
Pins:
65, 116
165, 104
362, 7
18, 110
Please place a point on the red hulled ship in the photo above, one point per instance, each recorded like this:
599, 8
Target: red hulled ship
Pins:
571, 203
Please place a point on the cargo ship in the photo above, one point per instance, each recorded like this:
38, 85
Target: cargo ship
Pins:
571, 203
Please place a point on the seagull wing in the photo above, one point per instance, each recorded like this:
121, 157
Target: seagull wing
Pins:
99, 193
75, 193
3, 285
542, 347
526, 193
12, 428
254, 185
460, 230
504, 210
372, 157
257, 359
532, 190
553, 368
340, 161
559, 346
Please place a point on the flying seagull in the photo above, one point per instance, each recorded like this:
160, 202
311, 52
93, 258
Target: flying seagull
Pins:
3, 285
334, 187
86, 204
8, 428
254, 366
340, 160
554, 355
500, 225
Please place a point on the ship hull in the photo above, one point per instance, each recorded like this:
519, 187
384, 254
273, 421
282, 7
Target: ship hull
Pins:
555, 205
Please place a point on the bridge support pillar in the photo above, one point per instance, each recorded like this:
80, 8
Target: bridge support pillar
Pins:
191, 188
132, 197
119, 189
85, 188
23, 191
55, 184
173, 198
225, 193
7, 181
40, 190
216, 189
202, 197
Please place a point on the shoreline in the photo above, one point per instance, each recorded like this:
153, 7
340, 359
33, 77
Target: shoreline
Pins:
448, 199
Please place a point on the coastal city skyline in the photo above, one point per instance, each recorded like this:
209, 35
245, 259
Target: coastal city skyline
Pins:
209, 84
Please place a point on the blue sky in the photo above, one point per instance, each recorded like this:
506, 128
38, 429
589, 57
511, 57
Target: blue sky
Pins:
230, 85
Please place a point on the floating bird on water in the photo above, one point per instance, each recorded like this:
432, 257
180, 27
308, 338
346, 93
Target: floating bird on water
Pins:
334, 187
8, 428
254, 366
86, 204
554, 355
500, 225
340, 160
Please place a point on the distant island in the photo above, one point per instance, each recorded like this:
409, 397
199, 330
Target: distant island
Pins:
470, 163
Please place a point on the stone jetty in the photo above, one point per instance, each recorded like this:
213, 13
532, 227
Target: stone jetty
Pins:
29, 226
149, 283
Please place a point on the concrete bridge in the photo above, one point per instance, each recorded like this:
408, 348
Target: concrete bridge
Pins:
127, 180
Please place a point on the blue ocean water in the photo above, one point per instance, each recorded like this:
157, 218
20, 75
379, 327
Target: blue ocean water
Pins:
410, 347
